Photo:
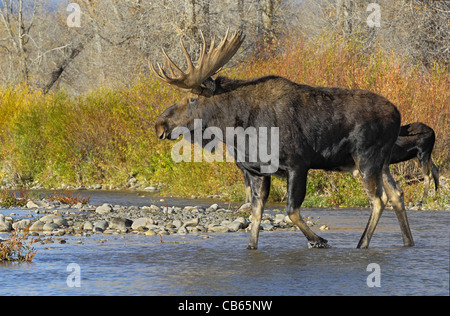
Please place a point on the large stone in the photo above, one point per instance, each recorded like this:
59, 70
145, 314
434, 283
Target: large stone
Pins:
234, 226
37, 226
279, 218
49, 227
191, 223
119, 223
88, 226
5, 226
218, 229
142, 222
37, 204
60, 221
104, 209
21, 225
100, 226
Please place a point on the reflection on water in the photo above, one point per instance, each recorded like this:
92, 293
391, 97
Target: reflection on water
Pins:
220, 264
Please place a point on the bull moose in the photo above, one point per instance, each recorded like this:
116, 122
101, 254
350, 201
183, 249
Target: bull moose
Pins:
319, 128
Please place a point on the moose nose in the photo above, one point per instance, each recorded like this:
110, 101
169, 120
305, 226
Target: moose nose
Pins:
161, 129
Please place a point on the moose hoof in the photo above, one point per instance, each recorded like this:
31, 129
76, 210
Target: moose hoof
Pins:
318, 244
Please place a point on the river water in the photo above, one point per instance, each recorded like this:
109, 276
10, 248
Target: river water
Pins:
220, 264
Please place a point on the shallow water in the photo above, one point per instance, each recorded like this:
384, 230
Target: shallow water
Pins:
221, 265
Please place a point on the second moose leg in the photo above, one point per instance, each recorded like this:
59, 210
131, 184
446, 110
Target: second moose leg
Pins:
296, 194
395, 195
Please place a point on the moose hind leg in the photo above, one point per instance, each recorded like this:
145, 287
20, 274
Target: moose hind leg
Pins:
374, 189
395, 195
260, 192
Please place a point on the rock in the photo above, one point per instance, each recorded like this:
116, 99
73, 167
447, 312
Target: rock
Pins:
100, 226
37, 204
88, 226
37, 226
218, 229
225, 223
47, 218
120, 223
21, 225
288, 220
266, 226
324, 227
243, 221
279, 218
5, 226
177, 223
191, 223
182, 230
104, 209
142, 222
192, 209
49, 227
60, 221
96, 187
151, 189
150, 233
214, 207
234, 226
247, 207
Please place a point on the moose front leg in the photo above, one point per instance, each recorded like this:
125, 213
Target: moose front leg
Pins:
296, 195
260, 191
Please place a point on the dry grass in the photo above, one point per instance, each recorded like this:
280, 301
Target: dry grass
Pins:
18, 247
67, 197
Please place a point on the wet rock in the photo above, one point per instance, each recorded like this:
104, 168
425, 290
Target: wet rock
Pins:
182, 230
192, 223
324, 227
49, 227
214, 207
266, 226
247, 207
177, 223
279, 218
142, 222
218, 229
243, 221
5, 226
104, 209
60, 221
37, 226
21, 225
120, 223
37, 204
88, 226
234, 226
100, 226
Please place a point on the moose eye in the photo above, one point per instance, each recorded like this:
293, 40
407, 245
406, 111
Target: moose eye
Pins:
192, 101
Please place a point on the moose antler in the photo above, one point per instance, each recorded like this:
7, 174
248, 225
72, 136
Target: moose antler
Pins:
208, 63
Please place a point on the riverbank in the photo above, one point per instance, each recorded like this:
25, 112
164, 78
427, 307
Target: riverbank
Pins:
52, 218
